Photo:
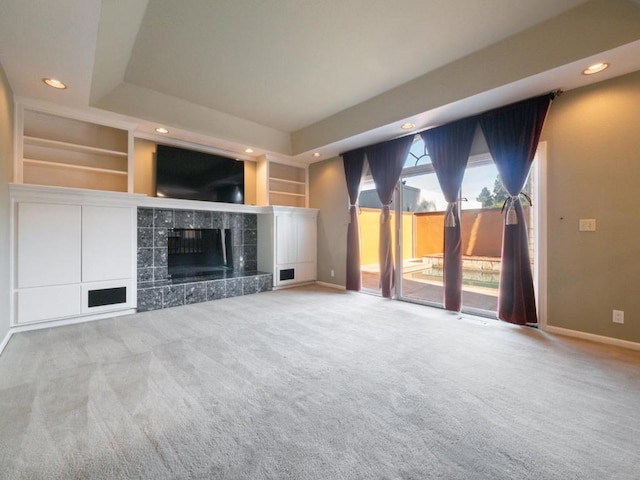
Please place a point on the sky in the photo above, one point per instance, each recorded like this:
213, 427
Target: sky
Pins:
475, 178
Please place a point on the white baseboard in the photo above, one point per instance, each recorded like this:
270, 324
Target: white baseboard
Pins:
592, 337
331, 285
5, 341
70, 321
292, 285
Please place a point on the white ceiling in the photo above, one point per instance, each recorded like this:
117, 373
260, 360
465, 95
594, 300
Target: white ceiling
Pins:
288, 77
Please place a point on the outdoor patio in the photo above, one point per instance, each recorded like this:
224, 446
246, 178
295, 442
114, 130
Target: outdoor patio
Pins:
428, 288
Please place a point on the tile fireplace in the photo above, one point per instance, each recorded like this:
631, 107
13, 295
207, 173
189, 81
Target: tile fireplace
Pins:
191, 256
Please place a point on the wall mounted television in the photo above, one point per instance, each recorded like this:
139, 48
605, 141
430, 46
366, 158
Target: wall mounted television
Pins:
192, 175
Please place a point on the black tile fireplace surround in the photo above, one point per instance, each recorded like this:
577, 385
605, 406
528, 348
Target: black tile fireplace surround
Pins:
156, 288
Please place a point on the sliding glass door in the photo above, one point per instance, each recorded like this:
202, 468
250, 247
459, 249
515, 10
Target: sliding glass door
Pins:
423, 205
421, 249
418, 214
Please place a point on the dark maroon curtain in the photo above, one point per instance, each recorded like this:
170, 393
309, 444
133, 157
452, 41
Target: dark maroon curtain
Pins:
512, 134
449, 147
353, 164
386, 161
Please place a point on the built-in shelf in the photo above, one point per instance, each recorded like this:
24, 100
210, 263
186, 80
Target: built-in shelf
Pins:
46, 163
282, 180
276, 192
73, 147
281, 184
56, 150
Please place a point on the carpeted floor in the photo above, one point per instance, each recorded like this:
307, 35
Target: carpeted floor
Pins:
311, 383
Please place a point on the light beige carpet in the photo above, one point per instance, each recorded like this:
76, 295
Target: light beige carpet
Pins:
310, 383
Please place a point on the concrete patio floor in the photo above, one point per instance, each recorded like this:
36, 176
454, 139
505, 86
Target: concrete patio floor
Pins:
472, 297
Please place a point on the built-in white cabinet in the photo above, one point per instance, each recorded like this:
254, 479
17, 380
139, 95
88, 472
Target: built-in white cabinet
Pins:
48, 303
74, 254
286, 238
106, 243
287, 245
49, 237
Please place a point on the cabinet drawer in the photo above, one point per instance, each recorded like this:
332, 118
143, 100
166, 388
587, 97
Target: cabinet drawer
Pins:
48, 303
306, 272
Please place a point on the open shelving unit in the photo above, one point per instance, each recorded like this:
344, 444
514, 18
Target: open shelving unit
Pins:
67, 152
286, 185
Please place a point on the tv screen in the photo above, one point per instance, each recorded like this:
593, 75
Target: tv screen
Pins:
192, 175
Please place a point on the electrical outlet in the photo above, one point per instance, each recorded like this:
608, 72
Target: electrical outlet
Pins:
618, 316
333, 273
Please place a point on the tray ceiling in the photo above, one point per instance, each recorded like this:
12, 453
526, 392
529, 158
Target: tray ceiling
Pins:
287, 76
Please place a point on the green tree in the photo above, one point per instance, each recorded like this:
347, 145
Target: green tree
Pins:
426, 206
497, 197
499, 193
485, 198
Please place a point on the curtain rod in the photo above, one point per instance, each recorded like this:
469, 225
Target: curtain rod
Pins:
553, 94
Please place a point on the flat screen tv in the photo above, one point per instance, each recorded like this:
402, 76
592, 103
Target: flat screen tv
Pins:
192, 175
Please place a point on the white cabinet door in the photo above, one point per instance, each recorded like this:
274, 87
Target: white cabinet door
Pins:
48, 303
306, 238
49, 243
285, 239
107, 243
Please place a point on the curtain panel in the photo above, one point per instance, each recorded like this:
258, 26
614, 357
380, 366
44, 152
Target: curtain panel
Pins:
385, 162
449, 147
353, 166
512, 134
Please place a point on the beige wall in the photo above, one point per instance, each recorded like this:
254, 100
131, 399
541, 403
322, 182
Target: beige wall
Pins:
593, 167
6, 155
593, 171
144, 181
328, 192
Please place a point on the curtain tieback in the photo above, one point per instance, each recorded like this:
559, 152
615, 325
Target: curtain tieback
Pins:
449, 216
512, 217
385, 212
356, 206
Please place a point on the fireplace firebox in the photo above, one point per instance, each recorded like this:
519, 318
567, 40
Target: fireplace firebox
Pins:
198, 252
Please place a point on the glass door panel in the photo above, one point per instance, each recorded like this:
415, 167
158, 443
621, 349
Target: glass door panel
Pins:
369, 219
481, 227
423, 208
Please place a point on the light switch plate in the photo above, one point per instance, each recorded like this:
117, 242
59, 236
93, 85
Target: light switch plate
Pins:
587, 225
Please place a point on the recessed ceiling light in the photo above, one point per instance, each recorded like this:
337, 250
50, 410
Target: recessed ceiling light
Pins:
595, 68
407, 126
52, 82
248, 150
316, 154
162, 130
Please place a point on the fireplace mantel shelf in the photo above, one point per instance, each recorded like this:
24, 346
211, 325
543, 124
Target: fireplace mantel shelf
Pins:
178, 204
43, 193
